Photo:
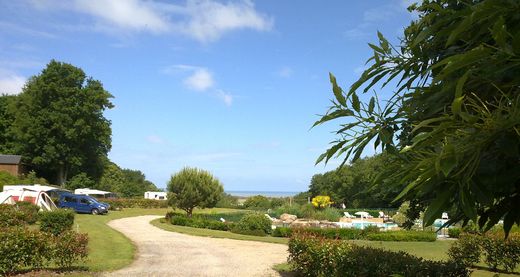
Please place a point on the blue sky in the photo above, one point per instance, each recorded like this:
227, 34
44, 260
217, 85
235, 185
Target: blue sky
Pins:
232, 87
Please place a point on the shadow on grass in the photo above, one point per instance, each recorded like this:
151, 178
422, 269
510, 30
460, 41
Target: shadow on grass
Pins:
285, 270
69, 271
497, 271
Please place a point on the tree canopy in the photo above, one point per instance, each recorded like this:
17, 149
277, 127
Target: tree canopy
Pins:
353, 184
453, 120
58, 125
192, 187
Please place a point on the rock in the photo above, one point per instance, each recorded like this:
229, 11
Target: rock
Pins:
345, 219
301, 223
288, 218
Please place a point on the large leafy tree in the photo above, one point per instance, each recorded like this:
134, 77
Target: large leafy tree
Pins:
59, 124
192, 187
353, 184
6, 121
453, 120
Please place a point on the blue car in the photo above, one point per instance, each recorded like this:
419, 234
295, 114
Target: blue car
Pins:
82, 204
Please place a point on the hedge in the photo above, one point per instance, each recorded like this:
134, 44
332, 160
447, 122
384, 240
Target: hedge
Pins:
120, 203
318, 256
358, 234
35, 249
56, 222
199, 222
495, 249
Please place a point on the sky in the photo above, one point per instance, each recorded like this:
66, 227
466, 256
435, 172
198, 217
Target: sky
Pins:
232, 87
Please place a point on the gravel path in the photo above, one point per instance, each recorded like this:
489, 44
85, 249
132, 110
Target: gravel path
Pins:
163, 253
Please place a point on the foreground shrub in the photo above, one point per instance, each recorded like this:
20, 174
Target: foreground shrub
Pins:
56, 222
69, 247
10, 216
29, 212
318, 256
466, 250
501, 252
253, 224
21, 247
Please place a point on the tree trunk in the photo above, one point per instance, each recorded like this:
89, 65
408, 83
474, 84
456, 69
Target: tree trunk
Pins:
189, 212
62, 175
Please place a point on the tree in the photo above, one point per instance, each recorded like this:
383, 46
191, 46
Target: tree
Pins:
353, 184
59, 124
80, 181
192, 187
453, 121
6, 121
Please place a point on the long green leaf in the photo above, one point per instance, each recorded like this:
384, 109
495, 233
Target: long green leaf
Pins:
436, 207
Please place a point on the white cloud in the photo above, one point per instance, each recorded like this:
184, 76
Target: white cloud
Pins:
200, 80
134, 15
227, 98
11, 82
202, 20
285, 72
209, 20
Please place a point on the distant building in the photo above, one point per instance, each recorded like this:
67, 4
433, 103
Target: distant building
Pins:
157, 195
11, 164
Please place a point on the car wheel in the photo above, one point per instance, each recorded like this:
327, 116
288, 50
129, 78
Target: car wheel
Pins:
95, 211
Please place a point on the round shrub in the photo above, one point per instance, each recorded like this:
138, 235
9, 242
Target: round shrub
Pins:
56, 222
253, 224
466, 250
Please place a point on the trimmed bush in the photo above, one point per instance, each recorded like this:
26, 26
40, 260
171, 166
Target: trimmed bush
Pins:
501, 252
199, 222
69, 247
29, 211
466, 250
10, 216
253, 224
22, 247
318, 256
56, 222
358, 234
402, 236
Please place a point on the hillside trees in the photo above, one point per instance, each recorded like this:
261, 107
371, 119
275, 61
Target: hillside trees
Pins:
58, 126
453, 119
192, 187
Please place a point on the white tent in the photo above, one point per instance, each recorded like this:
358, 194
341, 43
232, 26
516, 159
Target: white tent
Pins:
6, 198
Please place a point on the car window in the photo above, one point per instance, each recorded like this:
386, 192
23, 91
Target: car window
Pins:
69, 199
84, 201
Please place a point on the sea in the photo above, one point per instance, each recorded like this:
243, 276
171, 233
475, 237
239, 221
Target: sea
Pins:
263, 193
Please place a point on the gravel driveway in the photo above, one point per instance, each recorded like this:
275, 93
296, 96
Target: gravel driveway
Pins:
163, 253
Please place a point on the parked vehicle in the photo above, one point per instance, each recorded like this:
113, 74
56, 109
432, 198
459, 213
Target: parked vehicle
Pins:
82, 204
